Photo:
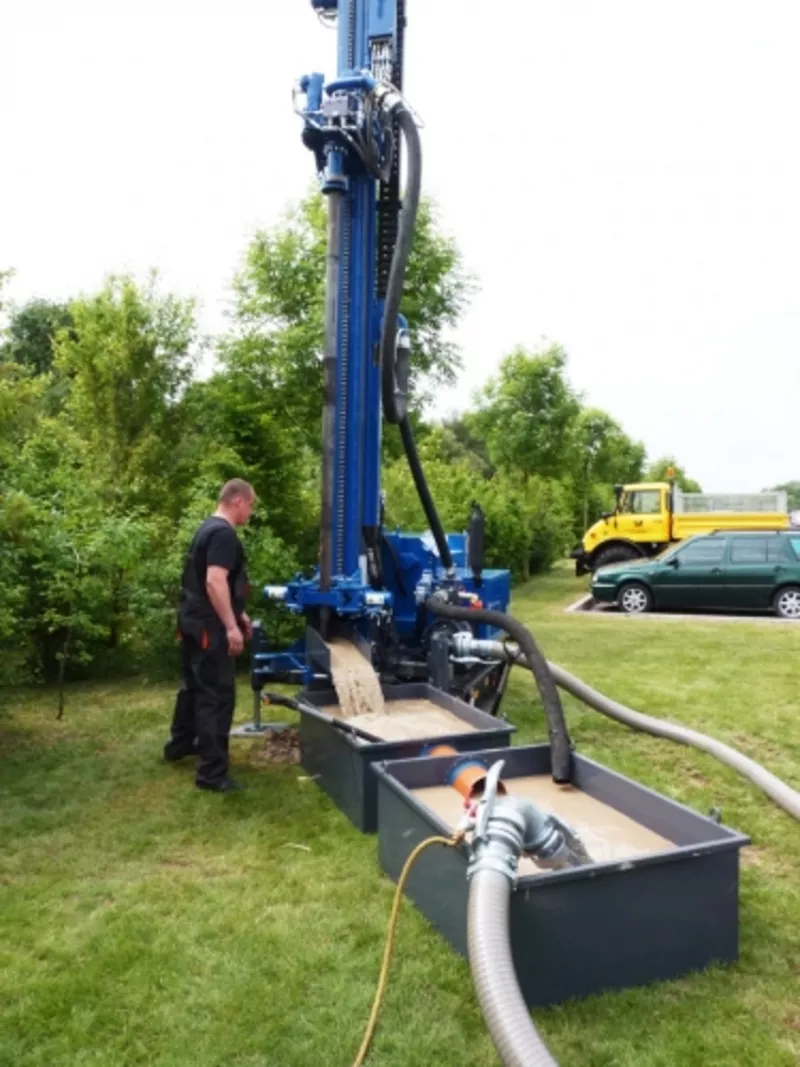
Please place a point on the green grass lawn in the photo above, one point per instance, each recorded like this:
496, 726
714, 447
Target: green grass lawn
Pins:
143, 921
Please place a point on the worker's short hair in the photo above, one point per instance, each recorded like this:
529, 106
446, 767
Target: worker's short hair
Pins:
233, 488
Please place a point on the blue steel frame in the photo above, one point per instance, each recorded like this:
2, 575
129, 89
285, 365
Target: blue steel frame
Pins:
364, 27
369, 48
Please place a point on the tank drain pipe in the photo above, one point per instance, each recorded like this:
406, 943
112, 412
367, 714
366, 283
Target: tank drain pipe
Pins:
781, 793
505, 828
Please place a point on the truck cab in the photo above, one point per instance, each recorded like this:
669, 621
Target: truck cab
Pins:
650, 516
638, 526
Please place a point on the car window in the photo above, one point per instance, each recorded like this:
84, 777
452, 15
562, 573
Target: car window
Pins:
776, 552
642, 502
756, 550
795, 543
749, 550
699, 553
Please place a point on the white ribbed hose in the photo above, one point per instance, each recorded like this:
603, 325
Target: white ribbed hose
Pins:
780, 792
783, 794
504, 1011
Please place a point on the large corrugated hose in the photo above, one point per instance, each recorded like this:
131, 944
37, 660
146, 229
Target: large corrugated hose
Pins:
394, 375
560, 747
779, 791
504, 1011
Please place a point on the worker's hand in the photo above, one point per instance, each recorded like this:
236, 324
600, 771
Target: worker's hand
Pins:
247, 626
235, 640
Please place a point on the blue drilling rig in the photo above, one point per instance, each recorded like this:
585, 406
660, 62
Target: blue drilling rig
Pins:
373, 585
427, 615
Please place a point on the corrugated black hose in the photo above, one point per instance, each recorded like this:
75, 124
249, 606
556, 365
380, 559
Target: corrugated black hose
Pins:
394, 364
560, 744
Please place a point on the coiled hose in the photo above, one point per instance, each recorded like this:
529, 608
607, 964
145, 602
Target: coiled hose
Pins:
507, 1018
560, 745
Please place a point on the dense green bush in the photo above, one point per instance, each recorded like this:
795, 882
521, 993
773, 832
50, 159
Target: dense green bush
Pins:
528, 519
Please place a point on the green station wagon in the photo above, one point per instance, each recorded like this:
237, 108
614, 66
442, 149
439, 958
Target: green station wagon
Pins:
756, 571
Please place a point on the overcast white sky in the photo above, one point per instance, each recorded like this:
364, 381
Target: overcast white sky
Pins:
623, 175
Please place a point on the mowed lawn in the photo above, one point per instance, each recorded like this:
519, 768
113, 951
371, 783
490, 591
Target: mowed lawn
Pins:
143, 921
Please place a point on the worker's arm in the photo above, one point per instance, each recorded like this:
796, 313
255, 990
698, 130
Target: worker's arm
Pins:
220, 597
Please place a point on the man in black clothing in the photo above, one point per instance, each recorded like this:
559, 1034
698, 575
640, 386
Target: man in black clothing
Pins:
212, 626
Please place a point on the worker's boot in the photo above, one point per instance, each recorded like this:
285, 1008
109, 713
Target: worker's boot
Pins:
225, 785
174, 752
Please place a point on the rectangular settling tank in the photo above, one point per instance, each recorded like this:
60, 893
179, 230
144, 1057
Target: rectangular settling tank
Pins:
415, 716
659, 900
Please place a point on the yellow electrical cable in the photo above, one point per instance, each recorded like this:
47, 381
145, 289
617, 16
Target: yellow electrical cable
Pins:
451, 842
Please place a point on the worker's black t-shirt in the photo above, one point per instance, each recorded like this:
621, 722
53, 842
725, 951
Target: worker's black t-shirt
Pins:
215, 544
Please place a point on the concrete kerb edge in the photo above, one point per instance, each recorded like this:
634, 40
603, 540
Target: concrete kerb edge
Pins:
586, 605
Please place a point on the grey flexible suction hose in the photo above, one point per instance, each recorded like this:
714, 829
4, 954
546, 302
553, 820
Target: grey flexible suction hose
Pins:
780, 792
504, 1011
560, 747
783, 794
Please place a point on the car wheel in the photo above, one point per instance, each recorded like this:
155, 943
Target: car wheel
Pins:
787, 602
634, 598
615, 554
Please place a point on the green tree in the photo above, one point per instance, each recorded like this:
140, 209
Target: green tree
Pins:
129, 356
605, 455
528, 518
661, 470
31, 333
460, 439
278, 318
265, 402
527, 414
792, 490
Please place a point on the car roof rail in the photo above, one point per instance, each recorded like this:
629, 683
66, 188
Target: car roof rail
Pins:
750, 530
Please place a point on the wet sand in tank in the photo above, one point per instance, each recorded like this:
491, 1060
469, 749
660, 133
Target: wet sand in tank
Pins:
406, 720
607, 834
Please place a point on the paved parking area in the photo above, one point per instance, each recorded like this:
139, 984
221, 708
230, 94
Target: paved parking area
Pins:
587, 606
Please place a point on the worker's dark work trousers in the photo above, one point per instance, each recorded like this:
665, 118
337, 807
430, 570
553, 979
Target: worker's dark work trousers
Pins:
204, 707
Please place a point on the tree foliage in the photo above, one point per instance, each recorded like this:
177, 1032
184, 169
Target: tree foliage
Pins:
31, 334
113, 448
128, 357
528, 519
665, 468
527, 413
278, 318
792, 490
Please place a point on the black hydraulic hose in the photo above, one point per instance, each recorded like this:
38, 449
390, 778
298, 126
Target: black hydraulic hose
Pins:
560, 746
424, 493
394, 377
393, 392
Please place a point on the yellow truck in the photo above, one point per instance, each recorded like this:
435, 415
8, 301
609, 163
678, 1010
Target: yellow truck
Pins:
650, 516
